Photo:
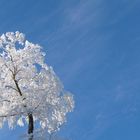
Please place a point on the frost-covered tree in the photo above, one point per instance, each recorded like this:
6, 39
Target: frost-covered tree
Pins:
30, 91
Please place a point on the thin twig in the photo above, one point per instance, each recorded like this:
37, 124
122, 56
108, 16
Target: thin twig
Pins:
10, 115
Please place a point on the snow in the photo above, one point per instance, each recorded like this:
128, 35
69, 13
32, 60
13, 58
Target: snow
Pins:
25, 89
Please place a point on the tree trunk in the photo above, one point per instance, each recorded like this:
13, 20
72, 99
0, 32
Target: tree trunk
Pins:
30, 126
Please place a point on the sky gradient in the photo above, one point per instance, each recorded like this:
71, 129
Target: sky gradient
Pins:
94, 47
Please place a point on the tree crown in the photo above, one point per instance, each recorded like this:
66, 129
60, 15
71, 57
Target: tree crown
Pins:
29, 86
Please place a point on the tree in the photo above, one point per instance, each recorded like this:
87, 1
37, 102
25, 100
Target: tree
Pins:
30, 91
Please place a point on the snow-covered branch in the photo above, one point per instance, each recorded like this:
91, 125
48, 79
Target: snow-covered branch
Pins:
11, 115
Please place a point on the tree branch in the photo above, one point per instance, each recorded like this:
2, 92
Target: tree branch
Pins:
8, 86
10, 115
5, 100
17, 86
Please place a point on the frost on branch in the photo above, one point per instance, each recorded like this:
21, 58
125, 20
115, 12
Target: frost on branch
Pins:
30, 86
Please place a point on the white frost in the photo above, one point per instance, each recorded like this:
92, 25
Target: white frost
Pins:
39, 90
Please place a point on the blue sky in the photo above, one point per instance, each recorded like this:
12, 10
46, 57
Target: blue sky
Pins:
94, 47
